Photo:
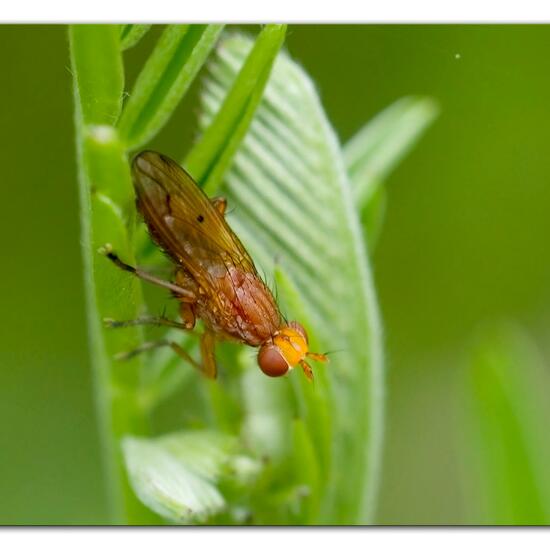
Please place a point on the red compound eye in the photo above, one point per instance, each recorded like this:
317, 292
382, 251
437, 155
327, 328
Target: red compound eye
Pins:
271, 361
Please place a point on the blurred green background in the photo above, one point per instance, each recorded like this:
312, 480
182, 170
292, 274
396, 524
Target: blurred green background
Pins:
464, 243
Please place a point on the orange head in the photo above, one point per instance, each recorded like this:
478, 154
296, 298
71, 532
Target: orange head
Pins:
288, 348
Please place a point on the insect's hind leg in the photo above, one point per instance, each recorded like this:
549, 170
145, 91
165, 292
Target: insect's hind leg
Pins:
183, 293
148, 346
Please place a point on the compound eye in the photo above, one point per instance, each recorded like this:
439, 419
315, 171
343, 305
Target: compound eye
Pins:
299, 329
271, 361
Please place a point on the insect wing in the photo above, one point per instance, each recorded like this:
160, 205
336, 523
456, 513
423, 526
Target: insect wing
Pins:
183, 221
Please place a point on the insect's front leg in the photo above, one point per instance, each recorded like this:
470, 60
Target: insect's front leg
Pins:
307, 370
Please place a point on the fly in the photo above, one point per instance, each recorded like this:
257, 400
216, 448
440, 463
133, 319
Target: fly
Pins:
215, 279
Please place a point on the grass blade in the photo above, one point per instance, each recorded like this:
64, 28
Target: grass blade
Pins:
505, 425
130, 35
381, 144
210, 158
167, 75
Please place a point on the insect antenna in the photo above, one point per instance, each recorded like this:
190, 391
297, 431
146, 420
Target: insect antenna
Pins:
332, 352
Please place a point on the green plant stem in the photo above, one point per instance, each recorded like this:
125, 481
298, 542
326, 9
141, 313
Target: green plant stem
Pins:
97, 71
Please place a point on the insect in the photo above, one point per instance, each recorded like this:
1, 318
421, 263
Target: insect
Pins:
215, 279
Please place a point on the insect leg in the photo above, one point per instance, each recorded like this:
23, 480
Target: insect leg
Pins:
208, 342
183, 292
220, 204
184, 355
148, 346
187, 315
307, 370
155, 321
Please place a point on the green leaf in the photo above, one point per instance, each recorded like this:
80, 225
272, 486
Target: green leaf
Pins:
204, 451
212, 155
505, 417
290, 200
167, 485
130, 35
98, 72
383, 142
372, 216
176, 475
179, 55
211, 454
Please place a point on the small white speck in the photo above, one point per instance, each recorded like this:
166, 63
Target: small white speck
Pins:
102, 134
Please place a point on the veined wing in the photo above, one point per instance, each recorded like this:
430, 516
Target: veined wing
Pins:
182, 220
